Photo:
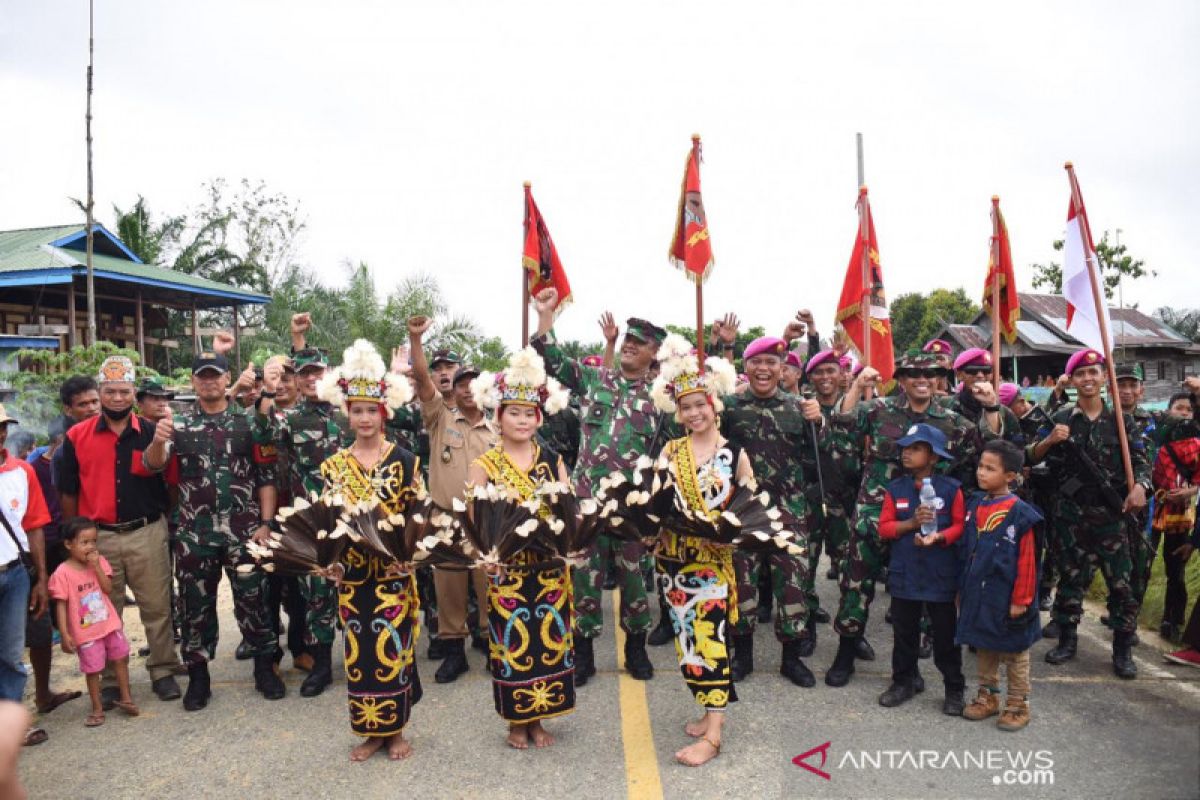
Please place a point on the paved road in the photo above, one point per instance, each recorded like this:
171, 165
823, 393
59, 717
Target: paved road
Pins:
1098, 736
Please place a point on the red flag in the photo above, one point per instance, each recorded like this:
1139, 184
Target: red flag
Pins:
866, 285
1010, 305
540, 258
691, 250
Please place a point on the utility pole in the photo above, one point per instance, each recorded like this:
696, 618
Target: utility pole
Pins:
91, 278
1121, 302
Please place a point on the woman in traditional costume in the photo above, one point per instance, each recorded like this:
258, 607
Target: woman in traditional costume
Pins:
530, 607
696, 574
377, 597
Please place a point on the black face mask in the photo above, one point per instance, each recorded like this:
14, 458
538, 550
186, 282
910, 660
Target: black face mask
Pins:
116, 416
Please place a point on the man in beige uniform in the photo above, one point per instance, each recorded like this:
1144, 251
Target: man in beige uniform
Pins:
458, 434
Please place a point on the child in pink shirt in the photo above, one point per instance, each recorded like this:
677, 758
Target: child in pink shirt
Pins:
87, 620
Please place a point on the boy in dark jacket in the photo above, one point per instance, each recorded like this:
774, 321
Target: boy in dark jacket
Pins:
923, 569
997, 609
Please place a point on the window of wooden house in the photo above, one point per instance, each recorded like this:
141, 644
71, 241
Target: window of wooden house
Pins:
1162, 371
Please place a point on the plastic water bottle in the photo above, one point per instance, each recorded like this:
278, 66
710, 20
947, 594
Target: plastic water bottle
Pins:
929, 500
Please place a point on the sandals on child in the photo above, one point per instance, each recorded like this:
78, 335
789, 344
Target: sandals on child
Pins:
130, 708
94, 720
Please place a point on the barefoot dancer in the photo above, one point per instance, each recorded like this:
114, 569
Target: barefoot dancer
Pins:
696, 575
530, 611
377, 600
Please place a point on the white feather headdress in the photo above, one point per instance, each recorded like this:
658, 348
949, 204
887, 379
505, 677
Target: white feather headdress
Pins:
524, 382
361, 376
679, 374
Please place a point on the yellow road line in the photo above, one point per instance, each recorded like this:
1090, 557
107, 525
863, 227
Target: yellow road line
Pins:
641, 760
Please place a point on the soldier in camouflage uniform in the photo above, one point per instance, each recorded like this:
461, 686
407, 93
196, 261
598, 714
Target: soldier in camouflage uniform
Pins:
1038, 489
876, 425
770, 425
1087, 528
840, 477
226, 496
619, 424
307, 434
978, 400
560, 433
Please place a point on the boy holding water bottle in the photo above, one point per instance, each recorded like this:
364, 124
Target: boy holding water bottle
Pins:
922, 517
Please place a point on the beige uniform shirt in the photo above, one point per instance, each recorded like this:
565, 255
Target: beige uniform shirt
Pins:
453, 444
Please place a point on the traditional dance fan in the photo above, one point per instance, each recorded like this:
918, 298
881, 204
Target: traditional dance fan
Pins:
500, 525
390, 536
309, 539
748, 521
443, 543
574, 523
632, 508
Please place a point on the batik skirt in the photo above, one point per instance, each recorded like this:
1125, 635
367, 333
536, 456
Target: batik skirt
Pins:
698, 583
532, 655
379, 614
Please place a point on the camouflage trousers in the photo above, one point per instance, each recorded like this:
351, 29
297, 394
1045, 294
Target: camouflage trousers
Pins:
1143, 558
320, 599
202, 551
1086, 538
631, 559
831, 531
788, 577
866, 558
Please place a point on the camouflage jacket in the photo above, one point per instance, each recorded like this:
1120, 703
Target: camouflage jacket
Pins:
618, 419
406, 429
1099, 439
969, 408
845, 457
877, 424
560, 433
219, 465
775, 436
308, 433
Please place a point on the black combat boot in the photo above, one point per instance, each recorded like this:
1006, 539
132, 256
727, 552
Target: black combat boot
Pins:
321, 674
741, 664
1122, 658
953, 704
455, 662
664, 632
585, 659
821, 615
809, 643
637, 661
265, 680
842, 668
792, 668
437, 648
1051, 630
896, 694
1068, 643
863, 650
199, 688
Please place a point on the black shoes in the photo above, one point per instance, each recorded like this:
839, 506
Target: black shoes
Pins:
896, 694
664, 632
585, 659
109, 695
321, 674
808, 644
199, 687
953, 705
242, 653
166, 688
792, 668
863, 650
455, 662
1122, 659
764, 613
843, 663
832, 574
741, 663
480, 643
266, 681
1046, 602
1169, 631
637, 661
821, 616
437, 649
1051, 630
925, 649
1068, 643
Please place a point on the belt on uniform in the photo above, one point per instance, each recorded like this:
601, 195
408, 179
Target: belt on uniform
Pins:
16, 562
127, 527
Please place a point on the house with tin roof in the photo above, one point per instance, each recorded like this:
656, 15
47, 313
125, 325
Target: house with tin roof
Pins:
1043, 344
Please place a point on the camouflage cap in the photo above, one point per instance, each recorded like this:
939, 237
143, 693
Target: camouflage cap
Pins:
465, 371
313, 357
154, 387
645, 331
915, 359
445, 356
1133, 371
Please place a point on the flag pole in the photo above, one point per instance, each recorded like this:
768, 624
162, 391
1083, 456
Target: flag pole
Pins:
996, 292
864, 235
1102, 320
525, 280
699, 279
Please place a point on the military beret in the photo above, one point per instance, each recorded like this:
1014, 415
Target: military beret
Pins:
1008, 392
939, 347
823, 357
793, 360
593, 361
1084, 358
974, 357
765, 345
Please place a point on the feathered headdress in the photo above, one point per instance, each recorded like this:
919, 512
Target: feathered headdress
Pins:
679, 374
363, 376
522, 382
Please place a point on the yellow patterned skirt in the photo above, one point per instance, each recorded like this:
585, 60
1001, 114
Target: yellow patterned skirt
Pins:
532, 650
380, 616
697, 581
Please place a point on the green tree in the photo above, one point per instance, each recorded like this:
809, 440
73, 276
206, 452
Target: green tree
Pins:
1115, 264
917, 317
1184, 321
745, 335
906, 312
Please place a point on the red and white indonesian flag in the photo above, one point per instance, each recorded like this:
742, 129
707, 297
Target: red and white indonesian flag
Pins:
1079, 266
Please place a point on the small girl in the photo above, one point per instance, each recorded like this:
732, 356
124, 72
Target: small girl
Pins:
89, 624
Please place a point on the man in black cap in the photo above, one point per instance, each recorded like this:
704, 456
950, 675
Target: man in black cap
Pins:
153, 399
226, 497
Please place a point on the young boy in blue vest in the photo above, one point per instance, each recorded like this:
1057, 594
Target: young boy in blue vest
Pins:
923, 570
998, 611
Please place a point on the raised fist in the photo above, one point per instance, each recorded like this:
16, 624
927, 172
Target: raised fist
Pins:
164, 429
271, 374
223, 343
301, 322
546, 300
419, 326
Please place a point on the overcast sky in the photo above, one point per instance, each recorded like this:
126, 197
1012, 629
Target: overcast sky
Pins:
405, 131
